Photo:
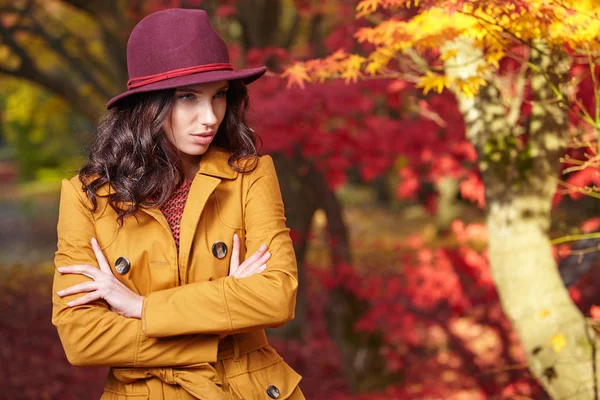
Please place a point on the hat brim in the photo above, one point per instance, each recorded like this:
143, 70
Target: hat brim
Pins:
246, 75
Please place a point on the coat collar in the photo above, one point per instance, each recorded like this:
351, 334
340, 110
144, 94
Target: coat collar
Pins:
215, 162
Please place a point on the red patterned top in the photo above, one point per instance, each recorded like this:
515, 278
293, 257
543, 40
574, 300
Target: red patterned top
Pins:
173, 208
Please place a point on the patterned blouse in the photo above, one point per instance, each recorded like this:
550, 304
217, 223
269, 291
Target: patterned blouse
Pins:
173, 208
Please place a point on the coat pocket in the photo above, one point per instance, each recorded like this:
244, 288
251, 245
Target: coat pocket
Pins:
266, 376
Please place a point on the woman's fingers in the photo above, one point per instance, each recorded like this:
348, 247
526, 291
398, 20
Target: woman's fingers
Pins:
88, 298
248, 268
80, 288
105, 286
83, 269
102, 261
256, 256
251, 270
234, 262
251, 265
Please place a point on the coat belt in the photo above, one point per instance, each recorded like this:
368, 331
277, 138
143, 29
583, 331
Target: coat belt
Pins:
201, 380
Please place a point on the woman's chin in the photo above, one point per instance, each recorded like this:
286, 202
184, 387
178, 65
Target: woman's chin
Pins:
195, 150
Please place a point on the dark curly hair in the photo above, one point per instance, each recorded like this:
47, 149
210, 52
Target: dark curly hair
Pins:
132, 155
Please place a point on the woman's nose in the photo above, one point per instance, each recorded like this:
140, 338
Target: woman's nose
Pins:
207, 115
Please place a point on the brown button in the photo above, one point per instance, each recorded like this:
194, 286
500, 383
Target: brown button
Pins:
219, 250
273, 392
122, 265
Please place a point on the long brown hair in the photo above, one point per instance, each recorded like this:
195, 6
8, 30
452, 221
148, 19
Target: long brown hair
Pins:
132, 155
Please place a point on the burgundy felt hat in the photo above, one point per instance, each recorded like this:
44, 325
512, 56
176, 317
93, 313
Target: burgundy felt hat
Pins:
178, 47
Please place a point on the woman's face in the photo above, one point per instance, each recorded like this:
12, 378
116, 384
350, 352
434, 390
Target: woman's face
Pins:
196, 115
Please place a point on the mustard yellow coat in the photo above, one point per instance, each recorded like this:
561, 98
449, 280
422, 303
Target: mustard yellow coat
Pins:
175, 350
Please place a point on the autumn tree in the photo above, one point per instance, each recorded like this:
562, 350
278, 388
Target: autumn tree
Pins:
508, 65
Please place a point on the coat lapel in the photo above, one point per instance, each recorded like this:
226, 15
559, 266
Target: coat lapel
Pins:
214, 166
160, 217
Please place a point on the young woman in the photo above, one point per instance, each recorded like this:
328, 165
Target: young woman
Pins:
151, 232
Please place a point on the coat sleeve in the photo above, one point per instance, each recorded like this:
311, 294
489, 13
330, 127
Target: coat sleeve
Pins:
229, 305
92, 334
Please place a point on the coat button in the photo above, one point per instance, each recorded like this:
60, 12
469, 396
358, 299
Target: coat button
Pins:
219, 250
122, 265
273, 392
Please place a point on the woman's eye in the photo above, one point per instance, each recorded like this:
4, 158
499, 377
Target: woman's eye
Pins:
221, 95
187, 96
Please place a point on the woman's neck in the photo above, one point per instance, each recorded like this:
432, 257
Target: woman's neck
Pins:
191, 165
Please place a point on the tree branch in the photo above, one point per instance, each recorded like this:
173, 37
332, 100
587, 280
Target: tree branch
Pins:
93, 7
74, 63
29, 71
110, 19
6, 35
99, 66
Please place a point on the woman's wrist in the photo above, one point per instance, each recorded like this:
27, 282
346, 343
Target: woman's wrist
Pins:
139, 307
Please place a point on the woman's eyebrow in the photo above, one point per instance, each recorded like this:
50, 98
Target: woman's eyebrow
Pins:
189, 89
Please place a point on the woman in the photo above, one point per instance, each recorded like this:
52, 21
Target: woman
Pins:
151, 231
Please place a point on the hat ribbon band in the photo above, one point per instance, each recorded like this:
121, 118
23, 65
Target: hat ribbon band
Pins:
146, 80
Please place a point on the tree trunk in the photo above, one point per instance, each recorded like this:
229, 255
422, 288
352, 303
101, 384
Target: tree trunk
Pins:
537, 303
520, 184
448, 205
304, 191
301, 204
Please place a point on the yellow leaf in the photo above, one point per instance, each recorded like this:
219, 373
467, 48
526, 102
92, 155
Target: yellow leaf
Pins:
558, 342
297, 74
470, 87
544, 313
378, 60
433, 81
351, 75
355, 61
366, 7
448, 54
365, 35
321, 75
494, 58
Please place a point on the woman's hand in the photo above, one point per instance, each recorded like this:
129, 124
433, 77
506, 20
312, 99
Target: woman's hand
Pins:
255, 264
104, 286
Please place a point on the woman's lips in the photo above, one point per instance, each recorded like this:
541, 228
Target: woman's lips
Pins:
203, 138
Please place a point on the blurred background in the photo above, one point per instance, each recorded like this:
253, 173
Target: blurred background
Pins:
383, 194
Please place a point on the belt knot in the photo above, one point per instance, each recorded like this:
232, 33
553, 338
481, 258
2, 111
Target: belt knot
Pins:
200, 380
